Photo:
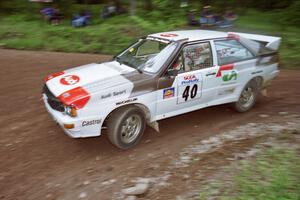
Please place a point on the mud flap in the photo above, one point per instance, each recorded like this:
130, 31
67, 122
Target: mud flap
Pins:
154, 125
264, 92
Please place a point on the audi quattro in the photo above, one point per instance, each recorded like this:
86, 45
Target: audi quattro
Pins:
159, 76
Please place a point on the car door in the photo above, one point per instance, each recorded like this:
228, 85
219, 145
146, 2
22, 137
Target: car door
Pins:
181, 87
235, 63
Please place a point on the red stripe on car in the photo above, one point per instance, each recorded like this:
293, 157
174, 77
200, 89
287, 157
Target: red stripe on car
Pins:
51, 76
77, 97
224, 68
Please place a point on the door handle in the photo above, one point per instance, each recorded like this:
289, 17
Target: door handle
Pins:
211, 74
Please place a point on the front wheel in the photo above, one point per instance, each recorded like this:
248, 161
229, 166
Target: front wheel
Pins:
126, 127
247, 98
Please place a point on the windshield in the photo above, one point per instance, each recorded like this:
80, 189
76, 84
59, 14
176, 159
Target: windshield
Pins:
146, 55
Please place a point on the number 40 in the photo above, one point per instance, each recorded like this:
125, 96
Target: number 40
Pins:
186, 92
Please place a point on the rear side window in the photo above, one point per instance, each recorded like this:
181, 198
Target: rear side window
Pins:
230, 51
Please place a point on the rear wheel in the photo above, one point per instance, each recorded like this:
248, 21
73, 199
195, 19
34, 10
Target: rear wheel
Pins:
248, 97
126, 127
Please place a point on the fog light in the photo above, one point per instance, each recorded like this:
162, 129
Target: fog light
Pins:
69, 126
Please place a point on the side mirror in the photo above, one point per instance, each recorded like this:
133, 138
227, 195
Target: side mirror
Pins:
172, 72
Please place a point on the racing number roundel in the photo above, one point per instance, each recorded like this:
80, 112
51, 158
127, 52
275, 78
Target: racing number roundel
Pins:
189, 87
69, 80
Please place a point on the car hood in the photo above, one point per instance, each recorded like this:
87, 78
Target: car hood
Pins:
91, 78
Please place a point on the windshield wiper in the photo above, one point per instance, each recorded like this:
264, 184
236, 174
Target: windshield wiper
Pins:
139, 70
118, 59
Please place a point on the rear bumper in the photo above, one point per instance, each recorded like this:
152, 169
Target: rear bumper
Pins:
81, 129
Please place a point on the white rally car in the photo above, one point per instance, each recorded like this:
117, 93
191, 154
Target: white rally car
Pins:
160, 76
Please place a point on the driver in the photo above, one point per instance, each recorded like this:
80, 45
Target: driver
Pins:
178, 65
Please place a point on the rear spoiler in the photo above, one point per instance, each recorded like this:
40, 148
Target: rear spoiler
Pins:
270, 42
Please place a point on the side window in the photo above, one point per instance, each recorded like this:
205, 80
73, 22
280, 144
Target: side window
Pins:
197, 56
193, 57
230, 51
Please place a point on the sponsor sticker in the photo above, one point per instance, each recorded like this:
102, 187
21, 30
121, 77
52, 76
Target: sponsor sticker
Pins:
168, 93
69, 80
126, 101
189, 79
224, 68
113, 94
230, 76
91, 122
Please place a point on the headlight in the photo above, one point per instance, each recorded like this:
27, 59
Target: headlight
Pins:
71, 110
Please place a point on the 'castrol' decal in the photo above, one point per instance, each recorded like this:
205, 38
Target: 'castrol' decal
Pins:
69, 80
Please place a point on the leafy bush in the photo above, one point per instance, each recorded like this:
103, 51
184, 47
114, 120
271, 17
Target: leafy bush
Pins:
292, 14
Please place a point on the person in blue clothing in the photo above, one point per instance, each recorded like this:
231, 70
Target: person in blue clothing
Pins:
52, 15
56, 17
83, 19
191, 18
207, 16
47, 12
228, 18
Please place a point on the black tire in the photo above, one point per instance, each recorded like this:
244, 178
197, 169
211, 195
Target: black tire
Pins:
121, 124
247, 97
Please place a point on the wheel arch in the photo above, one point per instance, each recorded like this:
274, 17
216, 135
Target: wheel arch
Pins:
259, 80
141, 106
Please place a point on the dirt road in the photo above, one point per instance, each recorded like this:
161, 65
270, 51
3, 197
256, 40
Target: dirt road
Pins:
38, 161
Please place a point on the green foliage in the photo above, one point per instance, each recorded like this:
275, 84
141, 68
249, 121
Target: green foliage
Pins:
24, 31
267, 23
275, 174
291, 15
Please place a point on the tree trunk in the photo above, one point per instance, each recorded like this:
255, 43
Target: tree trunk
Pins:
132, 7
148, 5
118, 4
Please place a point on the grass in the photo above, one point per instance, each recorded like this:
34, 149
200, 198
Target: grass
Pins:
108, 37
273, 175
21, 31
269, 23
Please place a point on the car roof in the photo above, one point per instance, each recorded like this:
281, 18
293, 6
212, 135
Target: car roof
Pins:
190, 35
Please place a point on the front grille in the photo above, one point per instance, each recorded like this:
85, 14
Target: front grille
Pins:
52, 100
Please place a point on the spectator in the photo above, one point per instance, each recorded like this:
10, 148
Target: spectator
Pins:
83, 19
108, 11
206, 16
56, 17
191, 18
229, 18
47, 12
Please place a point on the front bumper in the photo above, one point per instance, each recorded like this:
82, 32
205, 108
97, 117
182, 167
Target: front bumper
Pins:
79, 130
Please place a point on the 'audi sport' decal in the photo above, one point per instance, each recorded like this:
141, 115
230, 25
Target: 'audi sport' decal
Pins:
69, 80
